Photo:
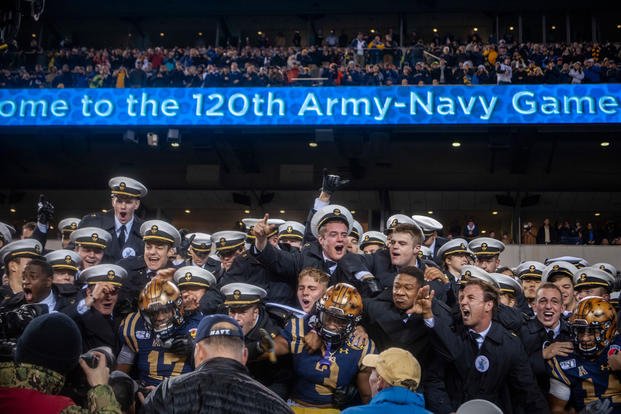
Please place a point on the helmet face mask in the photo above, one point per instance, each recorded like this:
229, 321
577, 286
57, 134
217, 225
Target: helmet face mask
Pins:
340, 310
161, 307
593, 326
160, 319
335, 328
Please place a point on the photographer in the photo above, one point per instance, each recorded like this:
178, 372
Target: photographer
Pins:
46, 352
529, 234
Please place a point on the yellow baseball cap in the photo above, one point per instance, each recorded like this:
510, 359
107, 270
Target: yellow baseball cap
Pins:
395, 366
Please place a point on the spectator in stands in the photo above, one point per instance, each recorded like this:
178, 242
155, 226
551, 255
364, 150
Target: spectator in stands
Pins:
481, 76
297, 39
611, 73
490, 54
331, 40
547, 233
564, 232
530, 63
504, 72
64, 79
592, 71
137, 76
589, 235
359, 45
506, 239
576, 73
529, 234
471, 230
577, 233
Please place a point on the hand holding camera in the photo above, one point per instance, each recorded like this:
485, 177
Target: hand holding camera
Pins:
95, 374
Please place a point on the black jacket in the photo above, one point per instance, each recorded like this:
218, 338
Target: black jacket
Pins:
390, 327
67, 297
498, 372
113, 252
244, 269
220, 385
98, 330
380, 265
277, 376
286, 266
533, 336
210, 264
541, 235
440, 241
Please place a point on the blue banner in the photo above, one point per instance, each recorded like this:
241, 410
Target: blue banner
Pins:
384, 105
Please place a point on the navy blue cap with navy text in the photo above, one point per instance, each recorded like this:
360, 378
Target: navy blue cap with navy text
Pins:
205, 328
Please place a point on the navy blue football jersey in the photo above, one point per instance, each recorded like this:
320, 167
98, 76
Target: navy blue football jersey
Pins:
316, 380
152, 361
589, 380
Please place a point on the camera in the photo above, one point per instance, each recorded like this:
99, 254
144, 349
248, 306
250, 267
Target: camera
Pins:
14, 321
92, 360
144, 390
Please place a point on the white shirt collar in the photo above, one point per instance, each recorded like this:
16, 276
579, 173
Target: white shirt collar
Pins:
326, 258
50, 301
484, 333
433, 246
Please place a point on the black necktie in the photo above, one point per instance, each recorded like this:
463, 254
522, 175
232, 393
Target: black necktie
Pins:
550, 335
330, 264
122, 236
475, 336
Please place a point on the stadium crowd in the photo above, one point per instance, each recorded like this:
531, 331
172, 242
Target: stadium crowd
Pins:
369, 59
316, 317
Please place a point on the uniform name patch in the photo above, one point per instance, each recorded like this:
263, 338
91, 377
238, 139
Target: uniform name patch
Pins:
569, 364
143, 334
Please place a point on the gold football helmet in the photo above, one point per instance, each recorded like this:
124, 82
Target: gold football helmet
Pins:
160, 304
593, 325
340, 310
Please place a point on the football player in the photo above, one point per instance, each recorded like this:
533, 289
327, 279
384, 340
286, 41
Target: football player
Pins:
158, 339
325, 379
585, 375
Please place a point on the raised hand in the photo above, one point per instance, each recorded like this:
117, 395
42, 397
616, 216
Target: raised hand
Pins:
331, 182
422, 304
45, 210
261, 230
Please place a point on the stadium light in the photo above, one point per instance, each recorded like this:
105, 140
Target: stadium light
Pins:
174, 138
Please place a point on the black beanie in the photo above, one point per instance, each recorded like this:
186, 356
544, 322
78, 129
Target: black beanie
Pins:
51, 341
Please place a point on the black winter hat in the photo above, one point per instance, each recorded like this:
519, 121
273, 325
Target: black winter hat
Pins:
51, 341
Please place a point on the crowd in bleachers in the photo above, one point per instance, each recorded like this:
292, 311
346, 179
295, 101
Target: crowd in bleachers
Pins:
367, 60
561, 231
566, 232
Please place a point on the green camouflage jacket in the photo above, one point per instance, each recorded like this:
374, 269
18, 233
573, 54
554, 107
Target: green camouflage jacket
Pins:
19, 375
